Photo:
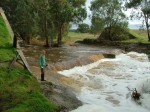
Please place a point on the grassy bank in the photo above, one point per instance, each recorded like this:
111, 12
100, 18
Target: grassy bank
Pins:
19, 90
74, 36
6, 51
141, 37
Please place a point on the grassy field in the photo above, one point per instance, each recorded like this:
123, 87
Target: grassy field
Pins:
19, 90
73, 36
141, 37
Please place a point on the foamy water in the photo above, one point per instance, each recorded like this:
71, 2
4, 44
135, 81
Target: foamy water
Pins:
107, 82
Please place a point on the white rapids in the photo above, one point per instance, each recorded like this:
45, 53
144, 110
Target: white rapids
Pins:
110, 80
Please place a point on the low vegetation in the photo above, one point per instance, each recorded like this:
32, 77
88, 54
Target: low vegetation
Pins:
19, 90
140, 35
74, 36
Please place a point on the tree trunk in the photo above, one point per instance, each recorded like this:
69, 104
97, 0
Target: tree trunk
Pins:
46, 32
147, 25
28, 39
109, 32
59, 39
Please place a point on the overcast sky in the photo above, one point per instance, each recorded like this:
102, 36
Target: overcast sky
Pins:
88, 3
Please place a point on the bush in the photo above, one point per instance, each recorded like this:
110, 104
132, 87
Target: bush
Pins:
115, 33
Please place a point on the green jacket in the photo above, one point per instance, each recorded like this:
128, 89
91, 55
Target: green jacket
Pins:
42, 61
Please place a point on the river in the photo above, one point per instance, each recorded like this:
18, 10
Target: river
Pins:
105, 82
110, 80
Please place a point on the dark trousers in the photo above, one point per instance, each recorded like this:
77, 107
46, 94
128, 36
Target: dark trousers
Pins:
42, 74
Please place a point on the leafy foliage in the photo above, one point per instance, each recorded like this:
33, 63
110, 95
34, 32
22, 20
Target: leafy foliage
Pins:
117, 33
133, 3
143, 11
65, 11
47, 18
19, 90
83, 28
110, 13
21, 17
97, 25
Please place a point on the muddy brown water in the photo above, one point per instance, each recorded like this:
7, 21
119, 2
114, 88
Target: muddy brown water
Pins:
64, 58
80, 54
67, 53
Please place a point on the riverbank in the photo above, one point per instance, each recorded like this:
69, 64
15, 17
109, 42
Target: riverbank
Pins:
61, 90
20, 91
57, 88
124, 46
63, 97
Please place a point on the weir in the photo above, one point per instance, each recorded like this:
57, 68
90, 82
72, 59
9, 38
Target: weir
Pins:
68, 57
65, 65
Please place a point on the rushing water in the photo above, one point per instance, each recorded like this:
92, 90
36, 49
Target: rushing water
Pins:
65, 53
106, 84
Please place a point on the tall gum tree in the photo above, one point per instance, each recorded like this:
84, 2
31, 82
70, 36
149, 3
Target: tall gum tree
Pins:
48, 17
44, 19
65, 11
143, 7
97, 25
110, 12
20, 16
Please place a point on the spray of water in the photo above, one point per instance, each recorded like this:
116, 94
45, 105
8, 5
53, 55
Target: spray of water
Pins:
106, 84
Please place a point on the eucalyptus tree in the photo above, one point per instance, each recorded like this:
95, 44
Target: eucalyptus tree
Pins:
45, 17
143, 7
110, 13
83, 28
97, 25
65, 11
20, 16
44, 20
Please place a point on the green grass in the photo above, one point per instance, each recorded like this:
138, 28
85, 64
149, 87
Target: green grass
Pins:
140, 37
4, 35
19, 90
74, 36
7, 54
6, 51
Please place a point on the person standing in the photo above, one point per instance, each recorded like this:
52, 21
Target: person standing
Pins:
42, 63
